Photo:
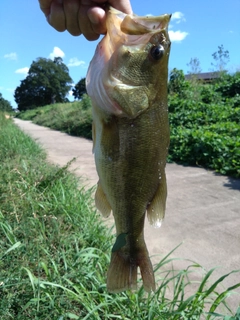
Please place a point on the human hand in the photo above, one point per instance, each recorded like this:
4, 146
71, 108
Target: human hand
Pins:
81, 16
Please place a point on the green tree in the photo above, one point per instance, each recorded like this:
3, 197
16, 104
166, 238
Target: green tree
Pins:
79, 89
177, 83
5, 104
229, 86
194, 66
221, 58
47, 82
195, 83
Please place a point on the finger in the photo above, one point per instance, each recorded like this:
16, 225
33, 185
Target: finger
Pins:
71, 8
97, 16
122, 5
56, 17
85, 24
45, 6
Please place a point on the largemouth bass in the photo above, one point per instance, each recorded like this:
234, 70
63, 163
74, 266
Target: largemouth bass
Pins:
127, 83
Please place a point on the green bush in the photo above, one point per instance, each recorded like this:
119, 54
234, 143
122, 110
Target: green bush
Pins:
205, 128
204, 121
73, 118
208, 146
5, 105
229, 85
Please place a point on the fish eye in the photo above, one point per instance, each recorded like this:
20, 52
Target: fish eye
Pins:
157, 52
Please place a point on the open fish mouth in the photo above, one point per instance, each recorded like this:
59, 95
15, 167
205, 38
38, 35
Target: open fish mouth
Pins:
135, 25
132, 29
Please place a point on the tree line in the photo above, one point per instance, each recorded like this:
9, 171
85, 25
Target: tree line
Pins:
48, 81
5, 105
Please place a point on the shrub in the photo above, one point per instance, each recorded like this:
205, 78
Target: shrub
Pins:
73, 118
204, 121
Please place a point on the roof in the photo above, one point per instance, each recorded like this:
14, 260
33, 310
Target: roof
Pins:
206, 76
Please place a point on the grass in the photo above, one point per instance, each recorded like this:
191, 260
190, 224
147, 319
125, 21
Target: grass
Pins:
54, 251
74, 118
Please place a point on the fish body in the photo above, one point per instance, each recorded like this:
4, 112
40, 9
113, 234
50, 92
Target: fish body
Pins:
127, 83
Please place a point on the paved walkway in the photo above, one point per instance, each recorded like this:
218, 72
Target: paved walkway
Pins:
203, 208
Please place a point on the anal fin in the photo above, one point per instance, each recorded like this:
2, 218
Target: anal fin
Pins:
156, 209
101, 201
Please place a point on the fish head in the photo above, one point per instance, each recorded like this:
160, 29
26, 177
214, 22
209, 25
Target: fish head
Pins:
130, 64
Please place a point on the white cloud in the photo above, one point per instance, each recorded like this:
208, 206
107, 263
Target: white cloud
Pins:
177, 36
74, 62
10, 90
179, 16
7, 89
22, 70
11, 56
57, 52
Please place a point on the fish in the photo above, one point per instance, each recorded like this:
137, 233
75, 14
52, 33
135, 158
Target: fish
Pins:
127, 84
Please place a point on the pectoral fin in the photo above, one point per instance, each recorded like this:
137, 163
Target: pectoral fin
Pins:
156, 209
133, 100
101, 201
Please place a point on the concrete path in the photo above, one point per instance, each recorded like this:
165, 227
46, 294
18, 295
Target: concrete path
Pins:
203, 208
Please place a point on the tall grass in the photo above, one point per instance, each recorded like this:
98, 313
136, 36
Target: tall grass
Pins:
74, 118
54, 251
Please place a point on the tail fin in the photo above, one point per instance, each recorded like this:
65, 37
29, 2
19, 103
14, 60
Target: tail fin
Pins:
122, 273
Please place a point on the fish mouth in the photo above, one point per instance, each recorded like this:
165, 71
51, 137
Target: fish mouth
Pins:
131, 29
134, 25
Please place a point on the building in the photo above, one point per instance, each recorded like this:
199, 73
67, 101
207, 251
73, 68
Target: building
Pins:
206, 77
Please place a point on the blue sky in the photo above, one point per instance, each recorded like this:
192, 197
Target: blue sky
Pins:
196, 30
